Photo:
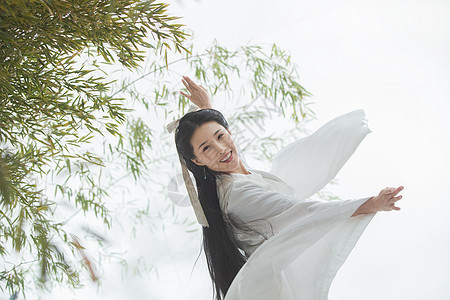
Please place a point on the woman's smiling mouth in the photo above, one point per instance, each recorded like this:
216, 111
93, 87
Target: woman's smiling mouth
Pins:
227, 158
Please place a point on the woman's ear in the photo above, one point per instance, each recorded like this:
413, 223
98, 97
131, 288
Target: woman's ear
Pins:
197, 162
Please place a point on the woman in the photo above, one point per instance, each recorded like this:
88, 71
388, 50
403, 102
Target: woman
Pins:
262, 238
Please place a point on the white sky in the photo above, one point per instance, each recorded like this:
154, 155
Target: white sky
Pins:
390, 58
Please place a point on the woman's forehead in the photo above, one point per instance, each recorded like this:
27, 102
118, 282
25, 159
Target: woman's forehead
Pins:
206, 131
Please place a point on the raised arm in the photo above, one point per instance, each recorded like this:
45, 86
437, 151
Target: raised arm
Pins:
198, 94
249, 201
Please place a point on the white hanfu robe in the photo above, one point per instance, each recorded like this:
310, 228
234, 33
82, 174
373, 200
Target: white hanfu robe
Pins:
298, 245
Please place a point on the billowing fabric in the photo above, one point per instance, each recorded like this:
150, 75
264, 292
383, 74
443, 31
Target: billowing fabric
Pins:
295, 245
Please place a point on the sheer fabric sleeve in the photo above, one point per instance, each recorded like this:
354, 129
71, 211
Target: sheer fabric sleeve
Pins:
310, 163
251, 201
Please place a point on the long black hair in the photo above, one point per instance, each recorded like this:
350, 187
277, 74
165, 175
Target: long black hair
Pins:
221, 249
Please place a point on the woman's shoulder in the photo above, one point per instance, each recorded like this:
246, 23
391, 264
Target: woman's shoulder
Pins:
224, 183
234, 186
228, 183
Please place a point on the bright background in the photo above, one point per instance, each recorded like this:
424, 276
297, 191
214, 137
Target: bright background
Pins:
390, 58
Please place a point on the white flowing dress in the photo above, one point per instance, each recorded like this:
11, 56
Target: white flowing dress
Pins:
297, 245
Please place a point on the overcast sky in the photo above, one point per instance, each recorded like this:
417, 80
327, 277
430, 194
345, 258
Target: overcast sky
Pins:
390, 58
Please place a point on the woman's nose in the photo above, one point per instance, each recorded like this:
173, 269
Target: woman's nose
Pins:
220, 148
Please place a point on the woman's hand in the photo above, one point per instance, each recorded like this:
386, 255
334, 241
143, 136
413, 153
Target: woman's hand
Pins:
198, 94
385, 201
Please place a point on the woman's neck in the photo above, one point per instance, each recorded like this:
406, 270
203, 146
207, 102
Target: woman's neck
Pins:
242, 169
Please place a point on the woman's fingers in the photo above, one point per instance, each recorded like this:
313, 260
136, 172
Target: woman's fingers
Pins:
392, 191
387, 198
395, 191
192, 85
186, 95
186, 84
196, 93
397, 198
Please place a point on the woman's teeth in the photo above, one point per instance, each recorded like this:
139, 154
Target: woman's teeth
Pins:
227, 157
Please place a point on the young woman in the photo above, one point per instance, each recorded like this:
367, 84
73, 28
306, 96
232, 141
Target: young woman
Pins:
263, 239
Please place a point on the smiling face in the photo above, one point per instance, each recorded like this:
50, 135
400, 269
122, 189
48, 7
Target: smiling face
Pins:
214, 147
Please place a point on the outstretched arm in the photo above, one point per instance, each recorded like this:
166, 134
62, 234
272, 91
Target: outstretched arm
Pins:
198, 94
385, 201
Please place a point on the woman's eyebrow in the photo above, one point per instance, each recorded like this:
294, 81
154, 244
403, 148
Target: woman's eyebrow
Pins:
206, 141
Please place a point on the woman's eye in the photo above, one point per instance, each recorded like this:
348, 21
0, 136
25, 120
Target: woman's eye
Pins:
220, 136
206, 148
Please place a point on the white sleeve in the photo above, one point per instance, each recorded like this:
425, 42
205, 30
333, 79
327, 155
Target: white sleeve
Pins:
310, 163
250, 201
